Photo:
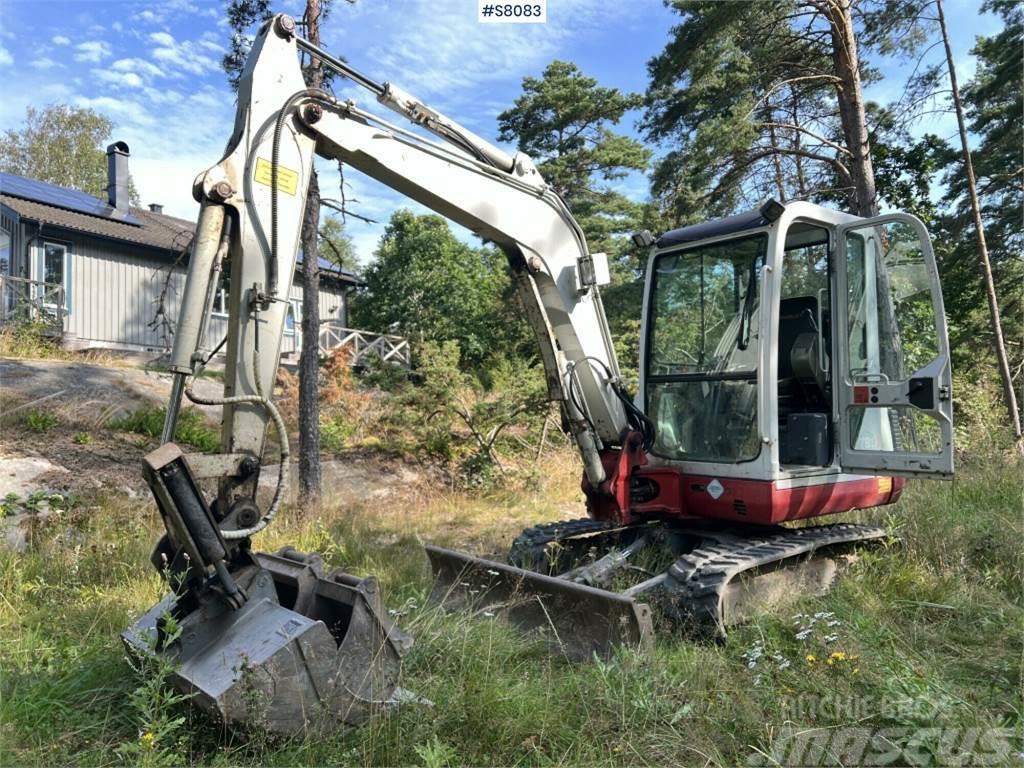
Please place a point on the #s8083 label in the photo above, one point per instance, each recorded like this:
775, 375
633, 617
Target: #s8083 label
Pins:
287, 179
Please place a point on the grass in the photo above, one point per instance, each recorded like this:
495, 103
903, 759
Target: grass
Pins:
39, 421
922, 633
192, 428
32, 341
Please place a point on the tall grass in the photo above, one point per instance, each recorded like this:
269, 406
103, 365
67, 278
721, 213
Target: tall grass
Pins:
922, 632
192, 427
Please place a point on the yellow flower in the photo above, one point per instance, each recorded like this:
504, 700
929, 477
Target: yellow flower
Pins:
811, 658
838, 656
148, 739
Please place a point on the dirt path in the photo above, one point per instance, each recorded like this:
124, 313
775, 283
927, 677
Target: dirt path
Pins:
80, 454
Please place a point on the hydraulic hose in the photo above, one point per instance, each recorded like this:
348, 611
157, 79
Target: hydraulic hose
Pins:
282, 434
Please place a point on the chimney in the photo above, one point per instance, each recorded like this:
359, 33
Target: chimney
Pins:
156, 208
117, 176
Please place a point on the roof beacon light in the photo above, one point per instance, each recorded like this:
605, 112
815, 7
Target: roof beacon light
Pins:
771, 209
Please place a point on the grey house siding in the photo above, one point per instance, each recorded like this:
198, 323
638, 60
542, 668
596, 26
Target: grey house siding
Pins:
115, 289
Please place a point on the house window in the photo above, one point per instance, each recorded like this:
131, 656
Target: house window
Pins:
294, 316
5, 252
220, 301
54, 269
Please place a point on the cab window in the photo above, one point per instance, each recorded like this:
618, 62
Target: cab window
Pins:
703, 348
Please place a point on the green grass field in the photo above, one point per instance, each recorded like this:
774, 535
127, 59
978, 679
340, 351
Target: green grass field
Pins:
921, 639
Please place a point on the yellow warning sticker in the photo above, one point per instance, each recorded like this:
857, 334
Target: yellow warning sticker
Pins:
884, 484
287, 179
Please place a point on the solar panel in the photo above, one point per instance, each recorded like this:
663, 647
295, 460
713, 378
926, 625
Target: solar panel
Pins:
327, 266
70, 199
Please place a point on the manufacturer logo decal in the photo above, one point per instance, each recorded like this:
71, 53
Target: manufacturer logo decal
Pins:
715, 489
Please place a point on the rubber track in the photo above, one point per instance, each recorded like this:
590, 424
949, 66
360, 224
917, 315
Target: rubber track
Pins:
696, 582
529, 549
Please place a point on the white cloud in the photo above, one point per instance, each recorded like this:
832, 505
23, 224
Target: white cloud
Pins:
124, 111
138, 66
119, 79
43, 63
92, 51
5, 57
162, 38
440, 48
60, 40
186, 56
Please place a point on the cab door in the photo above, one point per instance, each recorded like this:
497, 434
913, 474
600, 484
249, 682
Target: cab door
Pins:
893, 379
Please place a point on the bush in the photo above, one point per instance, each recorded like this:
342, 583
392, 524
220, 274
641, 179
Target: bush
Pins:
28, 339
192, 428
335, 433
40, 421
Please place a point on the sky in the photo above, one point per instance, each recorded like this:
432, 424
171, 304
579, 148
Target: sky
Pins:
153, 68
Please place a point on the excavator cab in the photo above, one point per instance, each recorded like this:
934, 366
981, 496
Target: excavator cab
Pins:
796, 346
794, 363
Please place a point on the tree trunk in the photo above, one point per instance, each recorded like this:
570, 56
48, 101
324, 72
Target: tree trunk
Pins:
309, 359
801, 180
780, 184
846, 63
1009, 395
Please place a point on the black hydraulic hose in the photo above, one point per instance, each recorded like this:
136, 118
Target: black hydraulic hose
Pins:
274, 157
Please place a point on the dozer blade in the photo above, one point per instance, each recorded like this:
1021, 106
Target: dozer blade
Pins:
304, 654
577, 620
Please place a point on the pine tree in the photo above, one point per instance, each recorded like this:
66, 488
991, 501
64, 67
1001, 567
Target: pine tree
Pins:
753, 99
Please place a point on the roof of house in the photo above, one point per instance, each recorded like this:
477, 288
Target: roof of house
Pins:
74, 210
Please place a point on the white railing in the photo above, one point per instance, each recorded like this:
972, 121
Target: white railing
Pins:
23, 300
364, 344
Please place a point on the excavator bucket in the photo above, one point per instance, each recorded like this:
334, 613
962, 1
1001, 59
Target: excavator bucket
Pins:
305, 653
578, 621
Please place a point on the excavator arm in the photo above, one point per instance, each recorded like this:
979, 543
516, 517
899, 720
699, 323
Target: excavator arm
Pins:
320, 648
252, 206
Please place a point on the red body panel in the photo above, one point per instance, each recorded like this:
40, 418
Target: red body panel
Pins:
756, 502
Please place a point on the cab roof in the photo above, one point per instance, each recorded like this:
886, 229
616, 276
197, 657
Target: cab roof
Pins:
739, 222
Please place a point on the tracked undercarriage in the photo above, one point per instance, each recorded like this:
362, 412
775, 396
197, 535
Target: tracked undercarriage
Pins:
588, 586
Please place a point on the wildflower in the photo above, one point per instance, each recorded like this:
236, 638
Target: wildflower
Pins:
834, 657
803, 634
147, 739
811, 658
831, 638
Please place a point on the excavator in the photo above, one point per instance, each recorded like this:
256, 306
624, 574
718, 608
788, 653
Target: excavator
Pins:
794, 363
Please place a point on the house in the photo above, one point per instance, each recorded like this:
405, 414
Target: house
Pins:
109, 275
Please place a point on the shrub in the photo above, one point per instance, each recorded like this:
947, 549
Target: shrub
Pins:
192, 428
335, 433
28, 339
40, 421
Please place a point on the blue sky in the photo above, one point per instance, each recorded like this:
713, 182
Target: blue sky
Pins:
153, 68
